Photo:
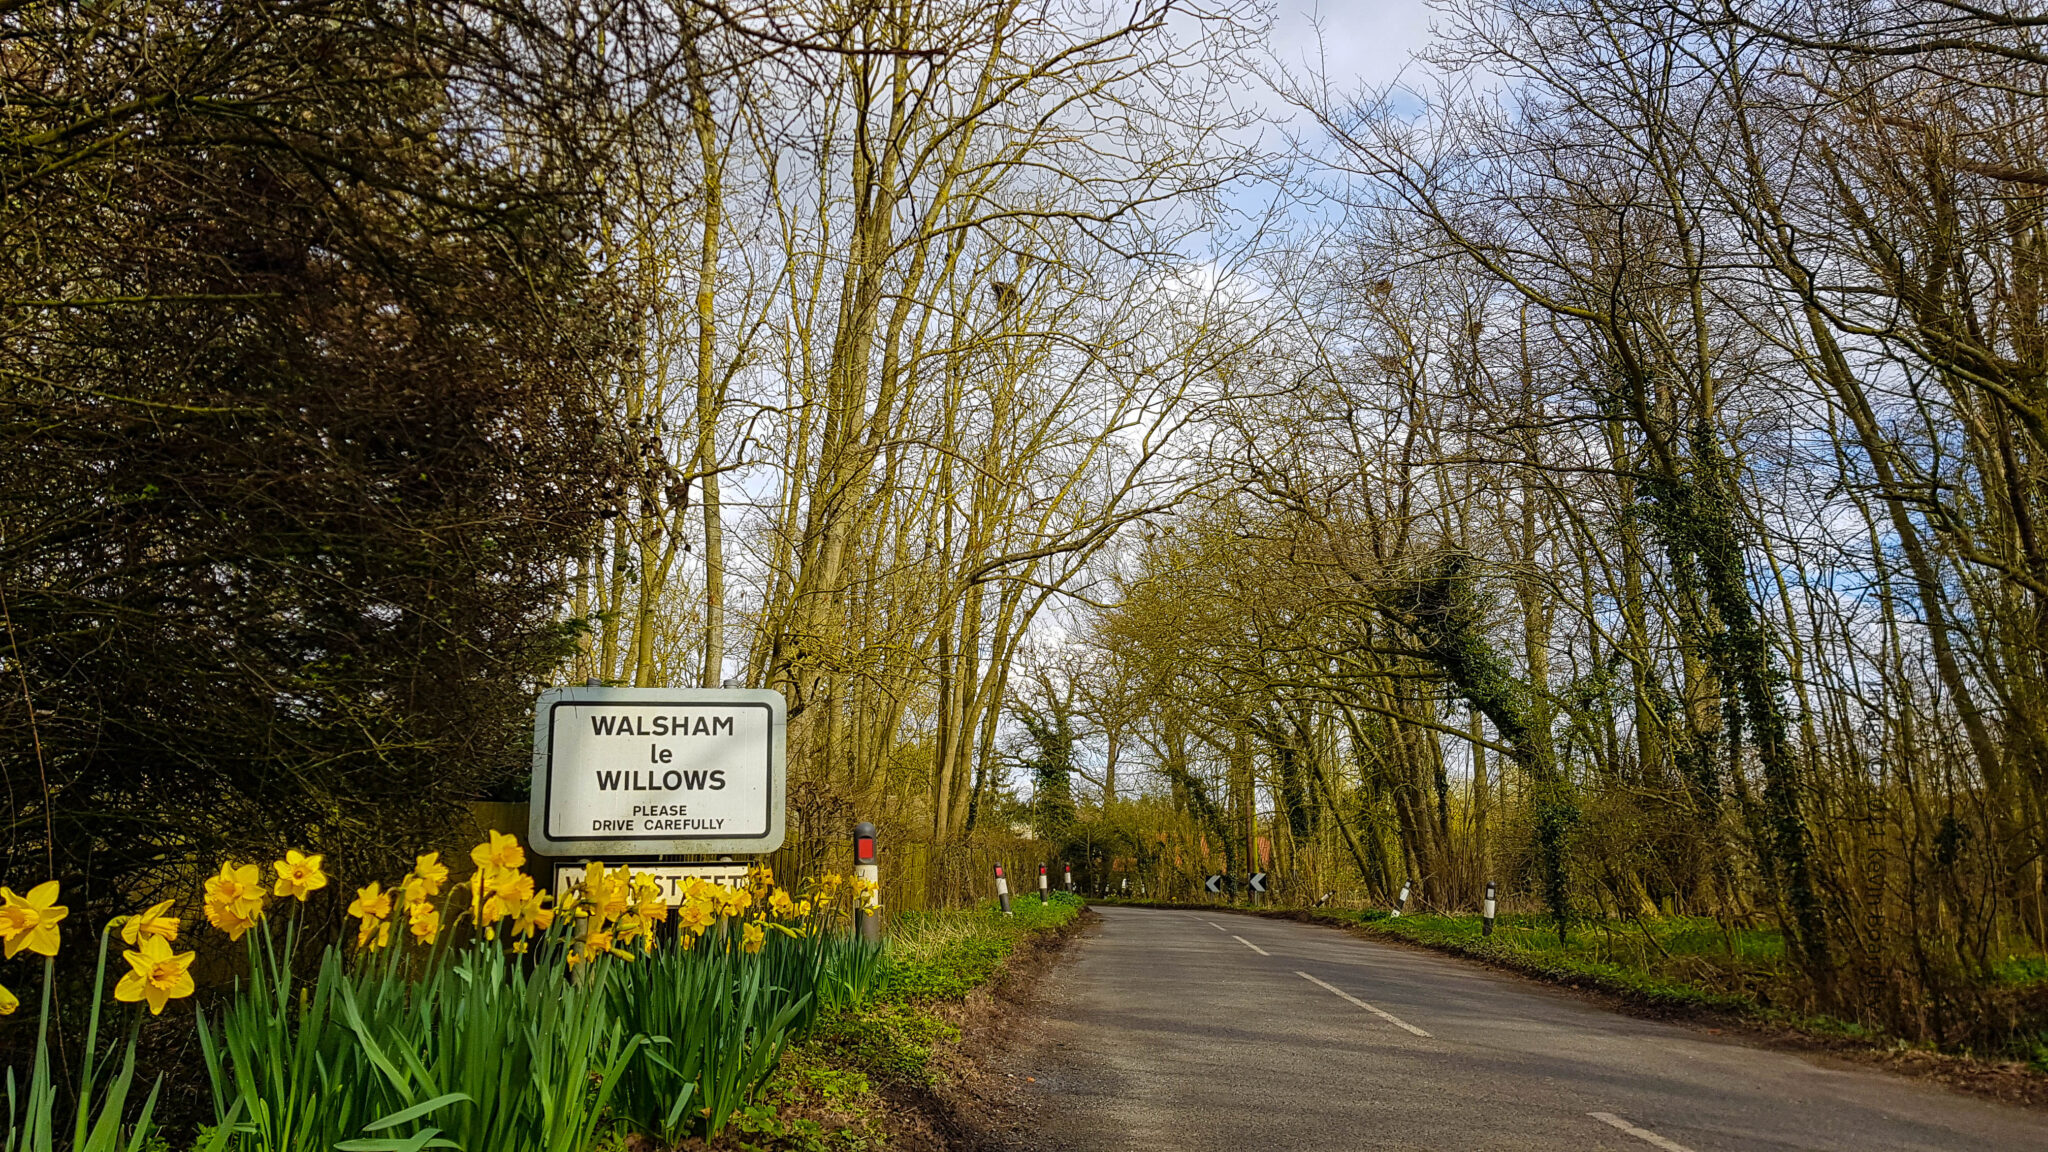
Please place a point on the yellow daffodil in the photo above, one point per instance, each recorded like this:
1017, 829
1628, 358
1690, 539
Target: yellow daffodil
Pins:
31, 921
235, 926
780, 904
736, 900
373, 934
8, 1003
631, 928
372, 902
373, 907
234, 899
151, 923
413, 889
508, 890
157, 976
430, 872
618, 895
650, 903
533, 914
696, 916
299, 875
424, 921
500, 851
752, 937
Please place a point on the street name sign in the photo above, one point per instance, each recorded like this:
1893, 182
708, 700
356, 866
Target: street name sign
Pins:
731, 873
658, 771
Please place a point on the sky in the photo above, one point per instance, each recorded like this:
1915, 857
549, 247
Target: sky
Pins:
1357, 41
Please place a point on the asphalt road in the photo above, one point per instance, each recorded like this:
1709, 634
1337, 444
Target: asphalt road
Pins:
1185, 1030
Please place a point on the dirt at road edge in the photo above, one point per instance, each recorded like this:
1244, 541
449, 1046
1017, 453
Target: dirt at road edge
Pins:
974, 1103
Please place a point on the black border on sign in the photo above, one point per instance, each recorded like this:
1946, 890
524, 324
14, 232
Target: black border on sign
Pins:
767, 766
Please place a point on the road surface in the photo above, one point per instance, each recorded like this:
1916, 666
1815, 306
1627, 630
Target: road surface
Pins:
1198, 1031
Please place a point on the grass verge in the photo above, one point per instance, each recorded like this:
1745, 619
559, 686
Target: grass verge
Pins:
851, 1085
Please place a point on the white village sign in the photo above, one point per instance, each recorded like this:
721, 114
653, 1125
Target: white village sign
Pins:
658, 771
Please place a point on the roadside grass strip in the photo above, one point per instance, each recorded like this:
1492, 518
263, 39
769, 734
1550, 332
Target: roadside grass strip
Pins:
1643, 1134
1382, 1013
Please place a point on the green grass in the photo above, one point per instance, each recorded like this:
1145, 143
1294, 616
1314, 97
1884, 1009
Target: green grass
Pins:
946, 955
1678, 962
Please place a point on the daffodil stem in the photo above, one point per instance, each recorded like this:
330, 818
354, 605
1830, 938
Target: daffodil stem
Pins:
92, 1042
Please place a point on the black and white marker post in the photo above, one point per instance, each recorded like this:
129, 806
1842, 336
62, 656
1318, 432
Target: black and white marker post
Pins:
1070, 876
1003, 891
1486, 912
1403, 905
1043, 895
867, 914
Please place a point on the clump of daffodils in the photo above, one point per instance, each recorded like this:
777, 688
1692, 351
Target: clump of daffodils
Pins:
157, 974
616, 911
498, 890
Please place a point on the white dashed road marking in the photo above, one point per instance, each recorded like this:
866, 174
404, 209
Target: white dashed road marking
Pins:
1389, 1017
1250, 945
1643, 1134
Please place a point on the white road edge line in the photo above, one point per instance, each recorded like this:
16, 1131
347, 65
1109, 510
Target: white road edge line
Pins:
1383, 1014
1643, 1134
1250, 945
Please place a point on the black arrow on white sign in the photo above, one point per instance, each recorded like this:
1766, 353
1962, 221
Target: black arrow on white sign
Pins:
1258, 881
1213, 884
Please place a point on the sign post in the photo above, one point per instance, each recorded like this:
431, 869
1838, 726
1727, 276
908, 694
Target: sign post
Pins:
867, 914
658, 771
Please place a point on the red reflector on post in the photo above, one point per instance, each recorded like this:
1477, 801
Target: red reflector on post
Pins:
864, 849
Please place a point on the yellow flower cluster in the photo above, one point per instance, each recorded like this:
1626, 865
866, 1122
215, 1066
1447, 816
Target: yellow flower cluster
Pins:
617, 912
498, 889
157, 976
234, 899
617, 909
28, 922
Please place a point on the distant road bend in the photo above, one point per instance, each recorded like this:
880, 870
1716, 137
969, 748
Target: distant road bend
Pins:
1190, 1031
